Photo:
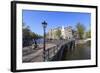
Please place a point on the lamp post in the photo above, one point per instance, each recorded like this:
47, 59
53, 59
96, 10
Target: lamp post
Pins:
44, 24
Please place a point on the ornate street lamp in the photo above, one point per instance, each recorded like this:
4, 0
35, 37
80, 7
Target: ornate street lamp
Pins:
44, 24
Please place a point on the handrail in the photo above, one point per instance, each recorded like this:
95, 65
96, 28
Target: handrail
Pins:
50, 52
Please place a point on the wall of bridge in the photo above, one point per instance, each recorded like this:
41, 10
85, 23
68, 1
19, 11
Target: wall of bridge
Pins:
62, 50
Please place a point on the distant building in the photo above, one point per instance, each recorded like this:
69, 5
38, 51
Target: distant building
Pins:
63, 35
66, 33
52, 33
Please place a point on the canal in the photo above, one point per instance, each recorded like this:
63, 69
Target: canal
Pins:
80, 52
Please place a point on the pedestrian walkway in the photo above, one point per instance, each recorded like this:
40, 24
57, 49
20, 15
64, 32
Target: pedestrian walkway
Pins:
35, 55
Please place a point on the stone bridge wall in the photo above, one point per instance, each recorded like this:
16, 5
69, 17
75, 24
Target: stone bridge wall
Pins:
68, 46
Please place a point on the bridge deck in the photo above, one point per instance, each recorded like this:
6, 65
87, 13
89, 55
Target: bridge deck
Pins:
36, 55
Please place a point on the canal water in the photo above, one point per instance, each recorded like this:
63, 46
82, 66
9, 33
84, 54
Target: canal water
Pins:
39, 40
80, 52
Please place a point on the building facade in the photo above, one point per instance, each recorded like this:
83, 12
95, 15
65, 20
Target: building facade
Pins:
68, 32
65, 33
52, 33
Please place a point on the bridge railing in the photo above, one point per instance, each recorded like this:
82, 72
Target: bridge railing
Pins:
56, 50
51, 52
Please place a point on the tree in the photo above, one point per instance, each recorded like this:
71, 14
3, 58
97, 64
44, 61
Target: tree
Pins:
88, 33
58, 33
36, 36
80, 30
28, 35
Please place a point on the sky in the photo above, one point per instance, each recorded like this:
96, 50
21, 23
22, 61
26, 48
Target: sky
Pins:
54, 19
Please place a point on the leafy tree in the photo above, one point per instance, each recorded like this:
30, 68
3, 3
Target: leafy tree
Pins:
28, 35
58, 33
80, 30
88, 33
36, 36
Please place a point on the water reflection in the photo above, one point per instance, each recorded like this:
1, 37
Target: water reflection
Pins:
80, 52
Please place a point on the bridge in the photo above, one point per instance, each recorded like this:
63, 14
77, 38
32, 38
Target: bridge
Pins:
88, 39
82, 41
54, 51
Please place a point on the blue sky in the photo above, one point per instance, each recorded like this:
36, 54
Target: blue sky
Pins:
34, 18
